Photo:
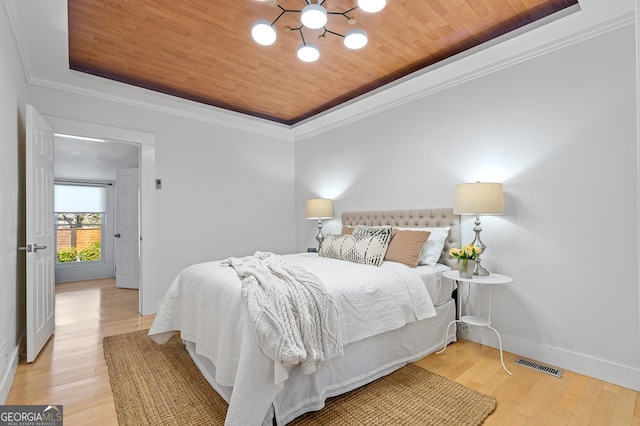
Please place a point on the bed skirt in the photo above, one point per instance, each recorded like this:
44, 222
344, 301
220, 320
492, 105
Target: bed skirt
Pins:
363, 362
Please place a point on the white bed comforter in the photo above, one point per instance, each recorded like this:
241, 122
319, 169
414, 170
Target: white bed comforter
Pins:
206, 305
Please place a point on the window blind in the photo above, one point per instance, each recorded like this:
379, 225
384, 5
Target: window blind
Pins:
79, 199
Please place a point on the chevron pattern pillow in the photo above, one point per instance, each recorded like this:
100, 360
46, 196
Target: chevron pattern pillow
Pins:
332, 246
361, 248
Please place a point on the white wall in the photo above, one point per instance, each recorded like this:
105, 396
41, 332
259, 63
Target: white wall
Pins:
12, 263
560, 132
225, 192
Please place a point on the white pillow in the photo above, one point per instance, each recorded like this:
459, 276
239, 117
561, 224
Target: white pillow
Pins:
434, 245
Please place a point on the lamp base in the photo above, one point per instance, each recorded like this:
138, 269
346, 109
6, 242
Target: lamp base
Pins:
319, 236
479, 270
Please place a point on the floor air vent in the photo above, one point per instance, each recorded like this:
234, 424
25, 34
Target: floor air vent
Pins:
539, 367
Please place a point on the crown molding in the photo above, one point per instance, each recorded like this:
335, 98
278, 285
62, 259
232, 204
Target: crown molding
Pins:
437, 77
16, 38
167, 104
558, 31
111, 91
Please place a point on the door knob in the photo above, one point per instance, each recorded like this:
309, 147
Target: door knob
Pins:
117, 235
37, 247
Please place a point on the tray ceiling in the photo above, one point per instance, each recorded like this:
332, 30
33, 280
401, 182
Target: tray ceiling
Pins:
202, 50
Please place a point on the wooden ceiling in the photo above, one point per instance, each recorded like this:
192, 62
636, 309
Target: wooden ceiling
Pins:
202, 50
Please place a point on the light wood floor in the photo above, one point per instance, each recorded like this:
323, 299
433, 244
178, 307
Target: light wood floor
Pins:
71, 370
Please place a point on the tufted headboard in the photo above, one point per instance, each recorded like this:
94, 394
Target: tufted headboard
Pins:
432, 218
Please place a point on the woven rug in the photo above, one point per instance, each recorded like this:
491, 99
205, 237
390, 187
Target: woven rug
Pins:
160, 385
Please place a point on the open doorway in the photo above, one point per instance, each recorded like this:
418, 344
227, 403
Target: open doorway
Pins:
145, 145
86, 171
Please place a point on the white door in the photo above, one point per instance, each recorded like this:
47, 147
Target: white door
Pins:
39, 229
127, 234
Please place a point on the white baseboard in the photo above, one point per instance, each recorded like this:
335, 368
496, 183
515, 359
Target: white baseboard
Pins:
621, 375
7, 379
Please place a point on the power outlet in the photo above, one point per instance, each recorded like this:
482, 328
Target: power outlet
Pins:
463, 330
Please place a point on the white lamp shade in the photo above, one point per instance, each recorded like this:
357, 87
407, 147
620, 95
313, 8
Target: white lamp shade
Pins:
319, 208
355, 39
372, 6
484, 198
308, 52
263, 33
313, 16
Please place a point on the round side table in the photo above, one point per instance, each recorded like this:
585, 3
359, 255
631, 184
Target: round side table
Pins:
478, 321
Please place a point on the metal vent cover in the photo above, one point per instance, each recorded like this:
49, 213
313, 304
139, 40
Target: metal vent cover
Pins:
539, 367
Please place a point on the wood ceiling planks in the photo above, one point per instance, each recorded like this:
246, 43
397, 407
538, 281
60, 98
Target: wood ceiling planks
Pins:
202, 50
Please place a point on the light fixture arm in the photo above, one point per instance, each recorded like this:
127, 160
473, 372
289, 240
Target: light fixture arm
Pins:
343, 13
299, 30
283, 11
331, 32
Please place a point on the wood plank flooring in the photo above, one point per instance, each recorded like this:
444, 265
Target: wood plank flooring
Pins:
71, 370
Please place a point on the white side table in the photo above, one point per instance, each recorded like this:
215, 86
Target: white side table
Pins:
488, 280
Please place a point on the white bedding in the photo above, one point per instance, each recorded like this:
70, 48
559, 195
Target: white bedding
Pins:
438, 287
370, 301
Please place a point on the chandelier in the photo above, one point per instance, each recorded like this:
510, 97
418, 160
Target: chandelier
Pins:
315, 17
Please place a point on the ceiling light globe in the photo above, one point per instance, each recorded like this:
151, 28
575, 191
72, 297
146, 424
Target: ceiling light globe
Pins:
314, 16
355, 39
372, 6
308, 52
263, 33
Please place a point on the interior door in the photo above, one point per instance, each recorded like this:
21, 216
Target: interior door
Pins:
39, 229
127, 234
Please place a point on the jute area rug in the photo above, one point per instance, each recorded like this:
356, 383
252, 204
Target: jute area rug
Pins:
160, 385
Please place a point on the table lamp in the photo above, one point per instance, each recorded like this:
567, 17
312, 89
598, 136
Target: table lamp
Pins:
478, 198
319, 208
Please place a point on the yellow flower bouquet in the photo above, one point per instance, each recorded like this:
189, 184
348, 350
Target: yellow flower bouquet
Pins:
466, 253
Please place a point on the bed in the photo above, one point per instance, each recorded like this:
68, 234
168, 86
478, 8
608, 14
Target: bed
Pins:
214, 323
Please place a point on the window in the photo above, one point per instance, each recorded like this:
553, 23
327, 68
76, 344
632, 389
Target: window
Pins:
79, 215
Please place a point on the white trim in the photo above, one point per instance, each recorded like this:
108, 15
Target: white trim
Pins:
147, 165
621, 375
10, 373
173, 105
638, 156
17, 39
425, 82
199, 112
569, 26
94, 130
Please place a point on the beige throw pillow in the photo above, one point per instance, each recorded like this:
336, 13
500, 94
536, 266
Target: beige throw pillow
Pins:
406, 246
347, 230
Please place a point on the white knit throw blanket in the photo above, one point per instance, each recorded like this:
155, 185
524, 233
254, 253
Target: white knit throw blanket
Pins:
296, 319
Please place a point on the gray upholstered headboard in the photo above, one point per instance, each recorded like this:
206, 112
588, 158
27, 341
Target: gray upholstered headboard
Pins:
432, 218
